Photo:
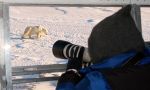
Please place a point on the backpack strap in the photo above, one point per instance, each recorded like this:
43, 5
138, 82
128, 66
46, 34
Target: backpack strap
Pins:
134, 60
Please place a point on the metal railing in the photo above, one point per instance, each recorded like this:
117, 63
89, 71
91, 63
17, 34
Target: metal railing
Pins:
6, 72
37, 69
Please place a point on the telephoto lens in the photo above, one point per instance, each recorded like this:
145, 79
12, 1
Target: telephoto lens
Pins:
58, 48
66, 50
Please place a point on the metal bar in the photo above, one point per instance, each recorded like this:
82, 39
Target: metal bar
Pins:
81, 2
140, 2
73, 2
37, 72
7, 46
136, 14
2, 62
5, 67
29, 80
62, 5
38, 67
73, 5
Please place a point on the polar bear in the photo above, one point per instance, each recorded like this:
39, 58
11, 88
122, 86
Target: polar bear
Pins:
39, 31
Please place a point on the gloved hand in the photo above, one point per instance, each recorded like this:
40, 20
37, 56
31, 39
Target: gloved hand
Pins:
76, 62
71, 75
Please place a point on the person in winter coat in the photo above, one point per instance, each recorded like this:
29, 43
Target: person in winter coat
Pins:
121, 59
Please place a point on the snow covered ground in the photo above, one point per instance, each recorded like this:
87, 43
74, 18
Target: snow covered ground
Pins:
72, 24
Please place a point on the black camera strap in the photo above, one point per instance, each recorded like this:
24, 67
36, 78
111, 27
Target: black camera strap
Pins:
134, 60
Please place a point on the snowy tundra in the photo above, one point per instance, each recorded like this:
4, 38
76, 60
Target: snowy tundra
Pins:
72, 24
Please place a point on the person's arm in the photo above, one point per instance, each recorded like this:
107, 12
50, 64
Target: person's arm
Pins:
71, 77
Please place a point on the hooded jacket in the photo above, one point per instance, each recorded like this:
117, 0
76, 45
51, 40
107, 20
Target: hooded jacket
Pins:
112, 43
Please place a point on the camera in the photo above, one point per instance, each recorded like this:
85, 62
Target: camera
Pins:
66, 50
